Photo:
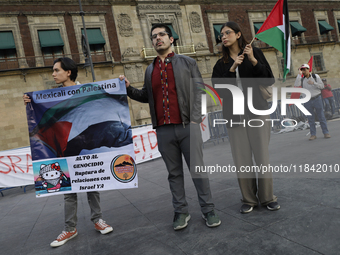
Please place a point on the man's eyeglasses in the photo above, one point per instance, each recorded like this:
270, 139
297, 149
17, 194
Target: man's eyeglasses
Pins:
161, 34
227, 33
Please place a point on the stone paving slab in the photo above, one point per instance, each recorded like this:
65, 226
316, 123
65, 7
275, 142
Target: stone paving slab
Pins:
307, 223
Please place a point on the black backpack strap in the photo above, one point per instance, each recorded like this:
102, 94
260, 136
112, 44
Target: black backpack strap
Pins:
302, 78
313, 75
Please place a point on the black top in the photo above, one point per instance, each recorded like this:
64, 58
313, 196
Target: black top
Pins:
251, 76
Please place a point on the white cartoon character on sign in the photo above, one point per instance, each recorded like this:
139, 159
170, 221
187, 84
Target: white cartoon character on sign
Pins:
52, 177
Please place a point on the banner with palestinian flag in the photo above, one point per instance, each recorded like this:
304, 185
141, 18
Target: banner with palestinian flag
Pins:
275, 32
81, 138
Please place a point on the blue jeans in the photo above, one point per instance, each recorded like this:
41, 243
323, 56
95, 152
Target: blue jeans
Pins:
318, 106
330, 106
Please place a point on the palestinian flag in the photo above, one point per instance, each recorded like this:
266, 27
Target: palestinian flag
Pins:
95, 120
310, 63
275, 32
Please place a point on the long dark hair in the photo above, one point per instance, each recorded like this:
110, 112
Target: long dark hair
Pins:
241, 41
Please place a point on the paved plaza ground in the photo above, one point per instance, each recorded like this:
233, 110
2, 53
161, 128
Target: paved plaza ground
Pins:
307, 223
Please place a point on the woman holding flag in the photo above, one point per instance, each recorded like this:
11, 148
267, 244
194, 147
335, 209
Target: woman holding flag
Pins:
246, 67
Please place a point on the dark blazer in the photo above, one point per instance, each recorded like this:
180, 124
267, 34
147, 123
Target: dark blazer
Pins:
251, 76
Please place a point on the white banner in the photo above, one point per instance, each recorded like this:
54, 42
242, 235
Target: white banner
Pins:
145, 144
16, 165
205, 128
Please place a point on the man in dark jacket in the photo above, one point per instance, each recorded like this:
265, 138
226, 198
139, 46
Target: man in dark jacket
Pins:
171, 89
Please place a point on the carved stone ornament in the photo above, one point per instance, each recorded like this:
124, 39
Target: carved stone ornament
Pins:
204, 64
179, 14
158, 7
134, 72
160, 19
125, 25
130, 52
200, 46
195, 22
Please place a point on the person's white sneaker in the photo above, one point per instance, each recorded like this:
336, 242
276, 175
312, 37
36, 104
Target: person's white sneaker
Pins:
102, 227
64, 237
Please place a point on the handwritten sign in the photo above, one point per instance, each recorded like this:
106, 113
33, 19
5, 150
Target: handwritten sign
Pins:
16, 167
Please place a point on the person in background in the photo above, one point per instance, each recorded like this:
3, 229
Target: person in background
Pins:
327, 96
313, 83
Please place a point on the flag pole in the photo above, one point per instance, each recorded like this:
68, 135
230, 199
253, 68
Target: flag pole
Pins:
252, 41
82, 14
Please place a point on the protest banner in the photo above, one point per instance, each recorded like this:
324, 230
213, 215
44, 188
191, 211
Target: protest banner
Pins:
81, 138
145, 144
16, 167
205, 128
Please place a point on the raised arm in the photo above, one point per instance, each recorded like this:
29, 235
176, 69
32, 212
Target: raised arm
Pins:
139, 95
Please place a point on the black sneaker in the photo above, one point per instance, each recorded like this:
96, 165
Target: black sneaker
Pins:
245, 208
273, 206
180, 220
211, 219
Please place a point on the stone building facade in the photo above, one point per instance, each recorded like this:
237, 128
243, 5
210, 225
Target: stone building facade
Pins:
125, 48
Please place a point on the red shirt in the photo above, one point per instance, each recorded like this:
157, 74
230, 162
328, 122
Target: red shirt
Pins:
325, 92
164, 93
